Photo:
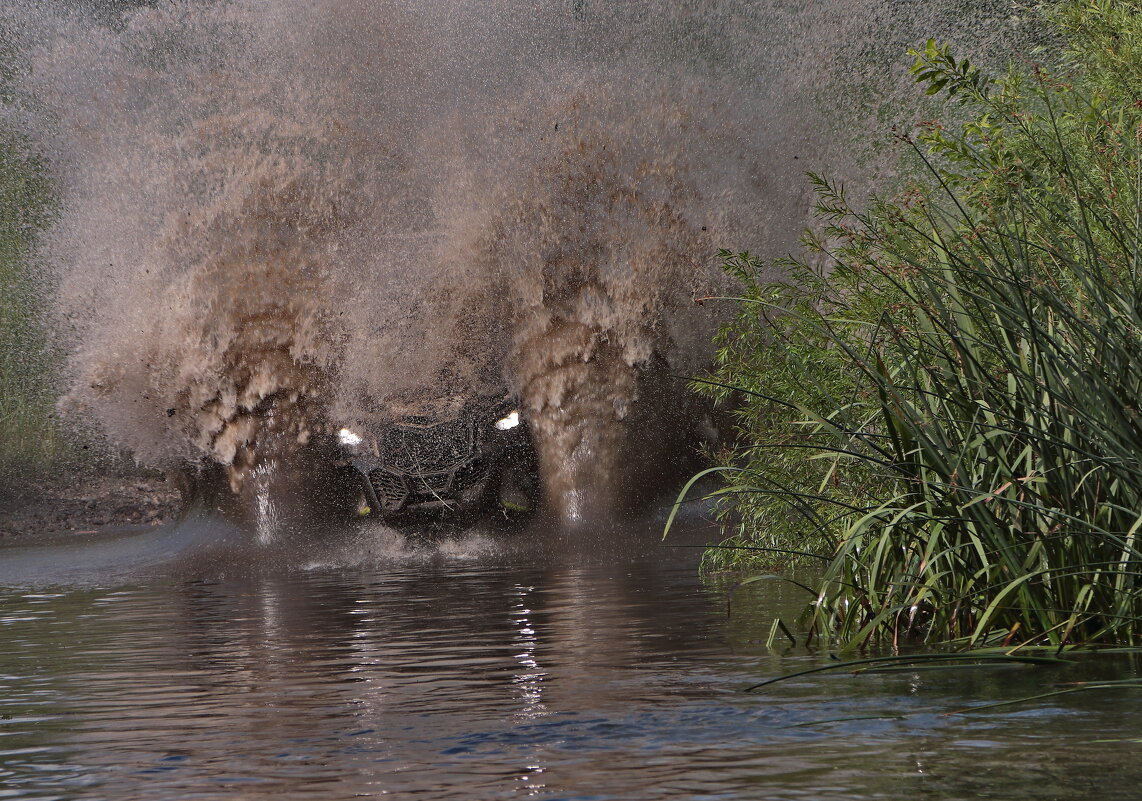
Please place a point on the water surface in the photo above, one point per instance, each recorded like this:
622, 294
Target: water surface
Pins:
496, 666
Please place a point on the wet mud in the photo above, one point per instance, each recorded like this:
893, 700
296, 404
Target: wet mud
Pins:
82, 502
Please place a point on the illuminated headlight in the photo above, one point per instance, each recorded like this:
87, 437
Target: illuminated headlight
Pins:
347, 437
508, 422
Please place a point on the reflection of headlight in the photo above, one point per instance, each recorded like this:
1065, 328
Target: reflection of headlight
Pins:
511, 421
347, 437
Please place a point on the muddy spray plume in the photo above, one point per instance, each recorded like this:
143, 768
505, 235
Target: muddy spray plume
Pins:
281, 218
602, 242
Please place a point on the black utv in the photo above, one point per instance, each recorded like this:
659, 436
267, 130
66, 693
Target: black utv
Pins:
451, 461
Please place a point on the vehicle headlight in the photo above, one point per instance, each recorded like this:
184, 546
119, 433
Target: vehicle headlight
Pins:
347, 437
509, 421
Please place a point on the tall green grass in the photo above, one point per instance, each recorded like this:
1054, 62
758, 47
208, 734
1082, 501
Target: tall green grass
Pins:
948, 412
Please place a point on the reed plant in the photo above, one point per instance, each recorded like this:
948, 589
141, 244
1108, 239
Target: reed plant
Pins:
945, 409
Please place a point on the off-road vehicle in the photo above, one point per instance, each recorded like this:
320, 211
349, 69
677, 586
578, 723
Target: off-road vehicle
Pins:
449, 460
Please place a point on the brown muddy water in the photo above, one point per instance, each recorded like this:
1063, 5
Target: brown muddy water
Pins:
489, 665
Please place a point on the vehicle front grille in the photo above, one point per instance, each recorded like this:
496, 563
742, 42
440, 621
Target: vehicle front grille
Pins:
422, 450
471, 474
426, 463
390, 488
437, 484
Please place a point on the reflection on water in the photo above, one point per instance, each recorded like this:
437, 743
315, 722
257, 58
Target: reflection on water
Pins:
490, 669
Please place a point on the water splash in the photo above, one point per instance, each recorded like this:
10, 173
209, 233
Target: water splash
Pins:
282, 218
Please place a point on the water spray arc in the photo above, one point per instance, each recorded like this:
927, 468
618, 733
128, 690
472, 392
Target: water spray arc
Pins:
282, 220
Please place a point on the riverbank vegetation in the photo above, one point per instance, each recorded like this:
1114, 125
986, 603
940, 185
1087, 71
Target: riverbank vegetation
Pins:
940, 402
29, 441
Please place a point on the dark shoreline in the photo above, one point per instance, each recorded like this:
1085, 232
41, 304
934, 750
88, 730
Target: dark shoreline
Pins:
83, 502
